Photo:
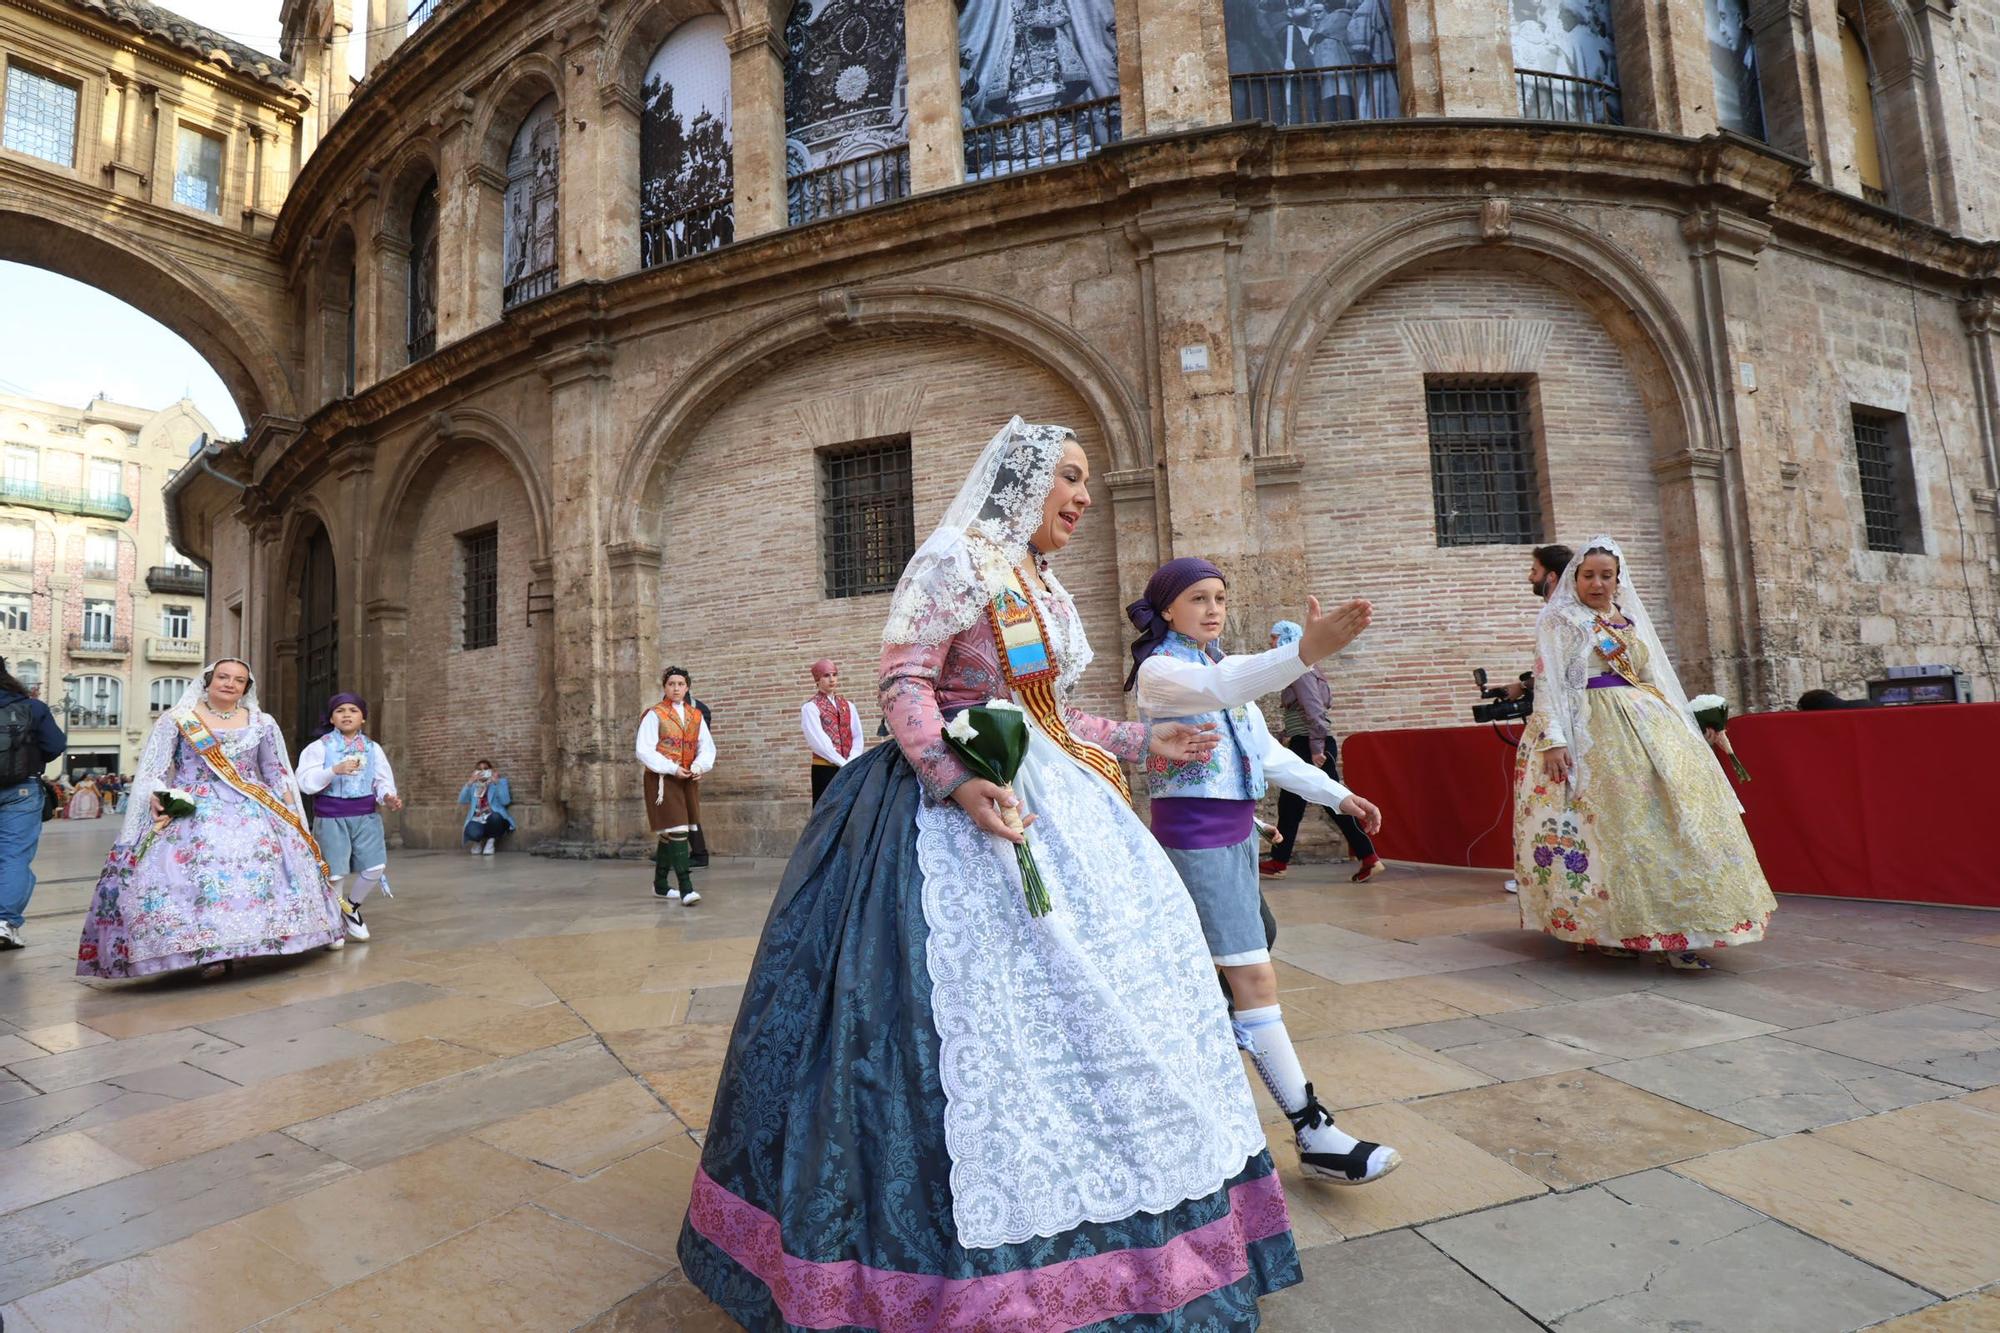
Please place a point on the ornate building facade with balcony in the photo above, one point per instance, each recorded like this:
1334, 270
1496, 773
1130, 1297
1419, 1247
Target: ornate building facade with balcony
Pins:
98, 611
658, 330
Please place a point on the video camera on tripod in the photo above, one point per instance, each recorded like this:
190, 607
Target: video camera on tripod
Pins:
1499, 707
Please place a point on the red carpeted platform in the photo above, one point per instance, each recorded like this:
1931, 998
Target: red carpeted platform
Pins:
1892, 803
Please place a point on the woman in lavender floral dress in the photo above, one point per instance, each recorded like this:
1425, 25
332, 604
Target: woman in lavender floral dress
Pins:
238, 878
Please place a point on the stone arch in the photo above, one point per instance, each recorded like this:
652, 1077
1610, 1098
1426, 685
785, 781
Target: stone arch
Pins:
1603, 275
530, 79
1899, 73
639, 28
531, 76
467, 471
230, 337
414, 169
806, 325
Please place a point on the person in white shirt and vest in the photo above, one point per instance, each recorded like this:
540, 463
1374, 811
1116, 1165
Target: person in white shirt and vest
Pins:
676, 752
832, 727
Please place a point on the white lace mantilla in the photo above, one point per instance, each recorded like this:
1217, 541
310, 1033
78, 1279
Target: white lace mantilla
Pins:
1088, 1068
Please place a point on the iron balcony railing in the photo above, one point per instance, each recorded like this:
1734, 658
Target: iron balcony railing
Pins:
160, 648
1317, 96
693, 230
176, 578
1875, 195
421, 12
91, 645
65, 499
1546, 96
881, 177
528, 287
422, 343
93, 719
1042, 138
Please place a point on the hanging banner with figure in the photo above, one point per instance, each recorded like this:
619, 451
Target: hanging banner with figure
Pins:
1739, 100
1051, 61
1306, 61
846, 98
1561, 41
686, 186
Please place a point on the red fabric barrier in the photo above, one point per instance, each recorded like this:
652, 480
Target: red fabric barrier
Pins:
1888, 803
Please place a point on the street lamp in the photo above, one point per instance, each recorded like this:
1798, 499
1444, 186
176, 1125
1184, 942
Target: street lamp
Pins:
69, 704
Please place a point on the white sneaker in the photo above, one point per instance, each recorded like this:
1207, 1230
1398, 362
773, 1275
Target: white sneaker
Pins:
350, 916
1512, 886
338, 944
673, 895
472, 847
489, 848
690, 898
10, 937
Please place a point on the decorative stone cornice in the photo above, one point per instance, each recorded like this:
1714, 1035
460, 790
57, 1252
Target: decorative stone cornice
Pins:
384, 613
1278, 469
1694, 465
354, 458
478, 174
616, 96
1720, 231
1129, 484
588, 360
752, 35
1981, 314
628, 557
1199, 225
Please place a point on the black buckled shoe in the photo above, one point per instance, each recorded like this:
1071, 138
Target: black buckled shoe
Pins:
1362, 1164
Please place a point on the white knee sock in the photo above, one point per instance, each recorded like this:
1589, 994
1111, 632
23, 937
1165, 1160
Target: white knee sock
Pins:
369, 880
1262, 1033
337, 881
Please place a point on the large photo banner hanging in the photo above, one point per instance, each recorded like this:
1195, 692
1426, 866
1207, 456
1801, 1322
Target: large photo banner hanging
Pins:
1304, 61
687, 186
1044, 73
1739, 100
846, 98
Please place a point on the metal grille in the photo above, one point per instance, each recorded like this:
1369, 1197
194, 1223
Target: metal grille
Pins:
1317, 96
482, 587
529, 287
1041, 138
1482, 464
198, 171
696, 229
842, 187
1546, 96
421, 13
40, 116
1876, 458
869, 517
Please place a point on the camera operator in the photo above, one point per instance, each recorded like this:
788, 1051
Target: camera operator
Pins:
1545, 569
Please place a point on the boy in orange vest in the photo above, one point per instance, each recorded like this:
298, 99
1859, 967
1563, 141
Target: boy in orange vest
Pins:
676, 750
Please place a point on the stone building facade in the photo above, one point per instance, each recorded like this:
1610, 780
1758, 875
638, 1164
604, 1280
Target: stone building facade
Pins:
571, 402
98, 611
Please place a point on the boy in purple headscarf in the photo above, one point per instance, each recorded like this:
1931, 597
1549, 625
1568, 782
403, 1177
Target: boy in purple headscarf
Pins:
350, 781
1204, 815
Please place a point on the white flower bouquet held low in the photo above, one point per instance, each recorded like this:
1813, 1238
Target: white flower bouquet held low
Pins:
173, 803
1711, 714
992, 740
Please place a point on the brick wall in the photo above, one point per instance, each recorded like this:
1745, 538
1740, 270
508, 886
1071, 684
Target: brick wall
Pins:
1367, 507
467, 705
744, 497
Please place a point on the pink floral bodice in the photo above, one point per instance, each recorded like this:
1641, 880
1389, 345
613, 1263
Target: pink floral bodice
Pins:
919, 683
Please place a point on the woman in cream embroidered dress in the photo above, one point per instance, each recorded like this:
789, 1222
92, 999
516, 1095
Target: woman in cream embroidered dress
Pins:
1627, 836
938, 1111
232, 880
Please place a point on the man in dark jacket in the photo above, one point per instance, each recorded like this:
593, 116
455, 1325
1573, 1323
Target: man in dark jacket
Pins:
29, 741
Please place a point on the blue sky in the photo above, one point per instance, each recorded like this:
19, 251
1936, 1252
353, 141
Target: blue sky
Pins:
65, 342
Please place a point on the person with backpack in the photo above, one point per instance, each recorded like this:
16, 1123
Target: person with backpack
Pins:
29, 741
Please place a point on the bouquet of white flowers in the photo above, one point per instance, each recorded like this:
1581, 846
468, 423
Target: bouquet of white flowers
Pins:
993, 740
175, 803
1711, 713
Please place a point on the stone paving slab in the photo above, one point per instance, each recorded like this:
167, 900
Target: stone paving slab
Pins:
1776, 1086
1631, 1026
1949, 1142
1813, 993
1654, 1251
287, 1055
1392, 1283
93, 1064
1936, 1041
295, 1019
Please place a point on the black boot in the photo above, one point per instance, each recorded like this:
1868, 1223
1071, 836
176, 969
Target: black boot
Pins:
677, 858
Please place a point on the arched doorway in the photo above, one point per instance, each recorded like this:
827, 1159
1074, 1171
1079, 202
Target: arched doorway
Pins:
319, 634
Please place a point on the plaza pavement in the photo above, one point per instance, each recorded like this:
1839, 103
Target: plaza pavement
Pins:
489, 1116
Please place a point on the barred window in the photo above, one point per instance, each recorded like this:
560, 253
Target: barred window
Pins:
1483, 481
868, 519
479, 553
40, 116
1889, 509
198, 170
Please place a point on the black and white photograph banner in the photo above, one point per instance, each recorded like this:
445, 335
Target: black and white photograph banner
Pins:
686, 184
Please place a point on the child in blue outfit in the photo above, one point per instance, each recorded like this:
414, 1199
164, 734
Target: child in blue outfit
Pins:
351, 782
1204, 815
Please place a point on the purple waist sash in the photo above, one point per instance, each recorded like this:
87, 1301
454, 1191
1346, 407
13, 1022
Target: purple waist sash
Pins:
1612, 681
342, 807
1192, 823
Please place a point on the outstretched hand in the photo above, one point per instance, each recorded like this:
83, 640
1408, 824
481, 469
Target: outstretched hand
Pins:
1183, 742
1365, 812
1326, 634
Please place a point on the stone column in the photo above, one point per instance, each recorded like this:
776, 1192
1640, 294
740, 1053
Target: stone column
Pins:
1954, 160
390, 327
166, 137
635, 570
388, 25
1788, 74
1981, 313
1187, 253
366, 217
1456, 59
462, 182
1666, 80
589, 178
757, 127
339, 91
353, 512
586, 783
1725, 505
937, 138
1182, 60
615, 248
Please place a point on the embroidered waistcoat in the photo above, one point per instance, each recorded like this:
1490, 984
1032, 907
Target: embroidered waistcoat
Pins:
1233, 773
680, 738
348, 786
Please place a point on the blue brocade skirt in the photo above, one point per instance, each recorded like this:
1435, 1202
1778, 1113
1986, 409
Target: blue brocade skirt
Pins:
824, 1199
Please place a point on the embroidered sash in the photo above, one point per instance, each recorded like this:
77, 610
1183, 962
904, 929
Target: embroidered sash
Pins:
1616, 649
209, 746
1030, 670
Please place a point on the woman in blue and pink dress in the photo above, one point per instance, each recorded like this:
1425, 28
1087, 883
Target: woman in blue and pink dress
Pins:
938, 1111
240, 877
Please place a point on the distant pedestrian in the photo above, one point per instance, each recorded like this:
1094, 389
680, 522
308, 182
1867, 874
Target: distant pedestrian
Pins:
84, 802
676, 752
29, 741
486, 796
832, 727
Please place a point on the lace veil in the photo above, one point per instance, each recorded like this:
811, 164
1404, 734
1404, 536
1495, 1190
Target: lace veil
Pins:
156, 764
983, 534
1565, 634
